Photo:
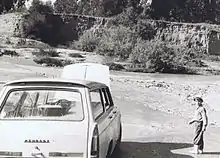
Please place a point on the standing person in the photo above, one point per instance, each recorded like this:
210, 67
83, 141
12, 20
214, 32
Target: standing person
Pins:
200, 120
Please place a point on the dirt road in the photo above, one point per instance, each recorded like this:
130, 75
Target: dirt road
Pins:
155, 109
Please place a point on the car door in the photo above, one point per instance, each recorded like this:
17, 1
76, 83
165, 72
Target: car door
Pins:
113, 113
103, 120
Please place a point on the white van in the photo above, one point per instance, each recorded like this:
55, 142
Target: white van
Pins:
65, 118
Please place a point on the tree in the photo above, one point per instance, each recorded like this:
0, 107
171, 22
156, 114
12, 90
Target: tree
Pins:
65, 6
7, 5
41, 24
194, 11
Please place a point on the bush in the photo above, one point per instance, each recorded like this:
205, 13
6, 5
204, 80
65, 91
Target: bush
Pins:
75, 55
114, 66
21, 42
46, 53
114, 41
10, 52
140, 51
49, 61
158, 57
88, 41
117, 41
164, 59
190, 56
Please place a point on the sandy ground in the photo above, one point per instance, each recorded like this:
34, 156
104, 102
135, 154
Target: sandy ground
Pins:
155, 109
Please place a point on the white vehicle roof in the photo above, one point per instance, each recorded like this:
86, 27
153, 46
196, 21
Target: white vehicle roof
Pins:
56, 81
87, 71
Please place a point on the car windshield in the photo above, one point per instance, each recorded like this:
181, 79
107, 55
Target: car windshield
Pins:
54, 104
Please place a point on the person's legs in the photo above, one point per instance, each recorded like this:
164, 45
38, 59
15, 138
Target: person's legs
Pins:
201, 144
195, 149
198, 139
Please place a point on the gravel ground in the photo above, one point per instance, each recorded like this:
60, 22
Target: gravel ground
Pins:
155, 108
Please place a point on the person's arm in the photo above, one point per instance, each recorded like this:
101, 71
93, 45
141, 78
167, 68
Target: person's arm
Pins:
192, 121
204, 119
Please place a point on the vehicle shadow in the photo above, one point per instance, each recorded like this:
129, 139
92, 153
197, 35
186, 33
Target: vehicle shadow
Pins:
211, 153
151, 150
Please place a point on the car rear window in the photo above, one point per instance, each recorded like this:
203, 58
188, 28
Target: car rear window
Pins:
40, 104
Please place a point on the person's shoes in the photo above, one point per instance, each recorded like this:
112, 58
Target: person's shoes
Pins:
200, 151
195, 150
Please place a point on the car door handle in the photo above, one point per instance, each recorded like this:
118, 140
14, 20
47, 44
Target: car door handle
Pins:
110, 117
114, 112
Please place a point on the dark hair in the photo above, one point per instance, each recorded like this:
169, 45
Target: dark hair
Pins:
199, 99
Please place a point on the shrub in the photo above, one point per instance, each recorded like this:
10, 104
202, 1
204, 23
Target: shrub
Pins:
88, 41
46, 53
190, 57
49, 61
158, 57
10, 52
21, 42
140, 51
67, 62
114, 66
164, 59
117, 41
75, 55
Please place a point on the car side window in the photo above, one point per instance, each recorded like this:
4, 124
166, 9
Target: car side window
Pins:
96, 103
110, 97
106, 98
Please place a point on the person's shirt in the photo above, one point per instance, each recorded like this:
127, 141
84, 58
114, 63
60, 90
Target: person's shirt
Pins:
201, 115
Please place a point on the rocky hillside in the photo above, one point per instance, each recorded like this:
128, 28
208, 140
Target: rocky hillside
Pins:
200, 36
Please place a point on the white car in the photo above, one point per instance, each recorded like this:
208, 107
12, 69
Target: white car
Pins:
65, 118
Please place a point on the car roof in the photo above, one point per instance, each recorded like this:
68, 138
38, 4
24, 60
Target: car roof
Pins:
56, 81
